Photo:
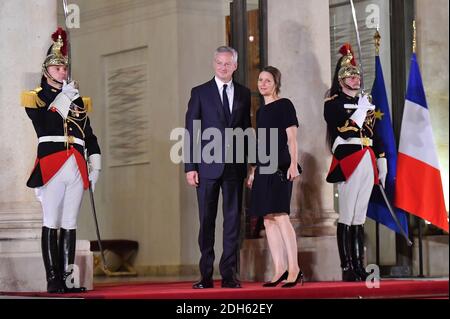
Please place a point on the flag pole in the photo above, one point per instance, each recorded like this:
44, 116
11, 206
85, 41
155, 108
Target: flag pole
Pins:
420, 249
377, 40
414, 46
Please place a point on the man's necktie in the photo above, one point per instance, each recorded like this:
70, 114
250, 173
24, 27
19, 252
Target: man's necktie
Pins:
226, 103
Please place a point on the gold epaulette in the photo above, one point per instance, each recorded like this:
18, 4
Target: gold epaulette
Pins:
87, 103
31, 99
331, 98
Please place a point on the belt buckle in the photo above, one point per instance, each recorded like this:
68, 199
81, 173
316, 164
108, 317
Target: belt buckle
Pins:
70, 139
365, 141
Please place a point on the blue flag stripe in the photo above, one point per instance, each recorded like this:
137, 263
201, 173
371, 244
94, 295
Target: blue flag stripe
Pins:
378, 210
415, 92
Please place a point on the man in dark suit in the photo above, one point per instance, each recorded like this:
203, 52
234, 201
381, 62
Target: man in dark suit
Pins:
220, 105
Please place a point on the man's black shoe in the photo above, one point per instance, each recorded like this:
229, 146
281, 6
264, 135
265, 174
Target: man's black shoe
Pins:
203, 284
231, 284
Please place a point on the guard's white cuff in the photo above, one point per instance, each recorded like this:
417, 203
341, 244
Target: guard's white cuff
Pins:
62, 104
382, 169
359, 116
95, 161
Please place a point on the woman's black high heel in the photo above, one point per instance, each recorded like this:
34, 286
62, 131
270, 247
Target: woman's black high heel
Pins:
276, 282
294, 283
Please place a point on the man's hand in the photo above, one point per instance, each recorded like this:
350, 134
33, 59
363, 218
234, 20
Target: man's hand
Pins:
382, 170
192, 178
251, 176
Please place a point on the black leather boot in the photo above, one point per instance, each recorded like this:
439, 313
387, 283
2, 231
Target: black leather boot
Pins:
67, 241
344, 247
357, 232
49, 246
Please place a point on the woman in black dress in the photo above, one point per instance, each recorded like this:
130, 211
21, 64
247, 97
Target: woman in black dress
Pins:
271, 193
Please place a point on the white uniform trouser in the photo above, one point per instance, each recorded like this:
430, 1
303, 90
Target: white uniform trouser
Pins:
61, 196
354, 194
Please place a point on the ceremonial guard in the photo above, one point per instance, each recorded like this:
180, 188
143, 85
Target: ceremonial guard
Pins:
61, 172
358, 160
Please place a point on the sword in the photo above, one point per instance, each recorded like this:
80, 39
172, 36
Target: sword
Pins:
91, 194
358, 40
99, 240
69, 67
94, 213
391, 210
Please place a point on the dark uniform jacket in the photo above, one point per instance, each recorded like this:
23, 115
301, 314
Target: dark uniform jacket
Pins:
346, 157
48, 122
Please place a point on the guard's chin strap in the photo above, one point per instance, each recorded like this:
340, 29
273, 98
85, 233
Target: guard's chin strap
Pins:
348, 87
50, 77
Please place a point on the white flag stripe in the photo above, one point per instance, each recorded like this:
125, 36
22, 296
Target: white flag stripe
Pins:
416, 138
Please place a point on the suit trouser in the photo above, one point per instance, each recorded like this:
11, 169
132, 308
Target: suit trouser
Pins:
354, 194
61, 197
208, 196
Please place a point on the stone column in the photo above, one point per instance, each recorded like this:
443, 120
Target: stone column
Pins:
25, 29
299, 47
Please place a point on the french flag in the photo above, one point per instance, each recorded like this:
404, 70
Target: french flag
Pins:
419, 186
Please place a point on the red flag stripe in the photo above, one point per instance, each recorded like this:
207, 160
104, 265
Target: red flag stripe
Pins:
419, 191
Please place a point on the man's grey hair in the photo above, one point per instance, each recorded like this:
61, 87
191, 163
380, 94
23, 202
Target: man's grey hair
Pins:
226, 49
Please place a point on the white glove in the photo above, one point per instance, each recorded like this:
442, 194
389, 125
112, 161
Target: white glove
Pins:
61, 104
95, 165
382, 170
64, 99
93, 177
70, 91
363, 102
360, 114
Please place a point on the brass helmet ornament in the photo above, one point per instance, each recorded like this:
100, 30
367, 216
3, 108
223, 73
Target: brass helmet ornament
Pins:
57, 53
348, 63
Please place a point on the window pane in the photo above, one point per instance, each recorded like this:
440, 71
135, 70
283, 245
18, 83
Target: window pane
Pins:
370, 15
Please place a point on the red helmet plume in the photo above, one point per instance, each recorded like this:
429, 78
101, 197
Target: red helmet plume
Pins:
344, 51
60, 32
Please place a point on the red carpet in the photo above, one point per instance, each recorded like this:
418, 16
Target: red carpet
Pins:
310, 290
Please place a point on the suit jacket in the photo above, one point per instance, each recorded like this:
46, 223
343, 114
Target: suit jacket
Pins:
51, 156
206, 106
346, 157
